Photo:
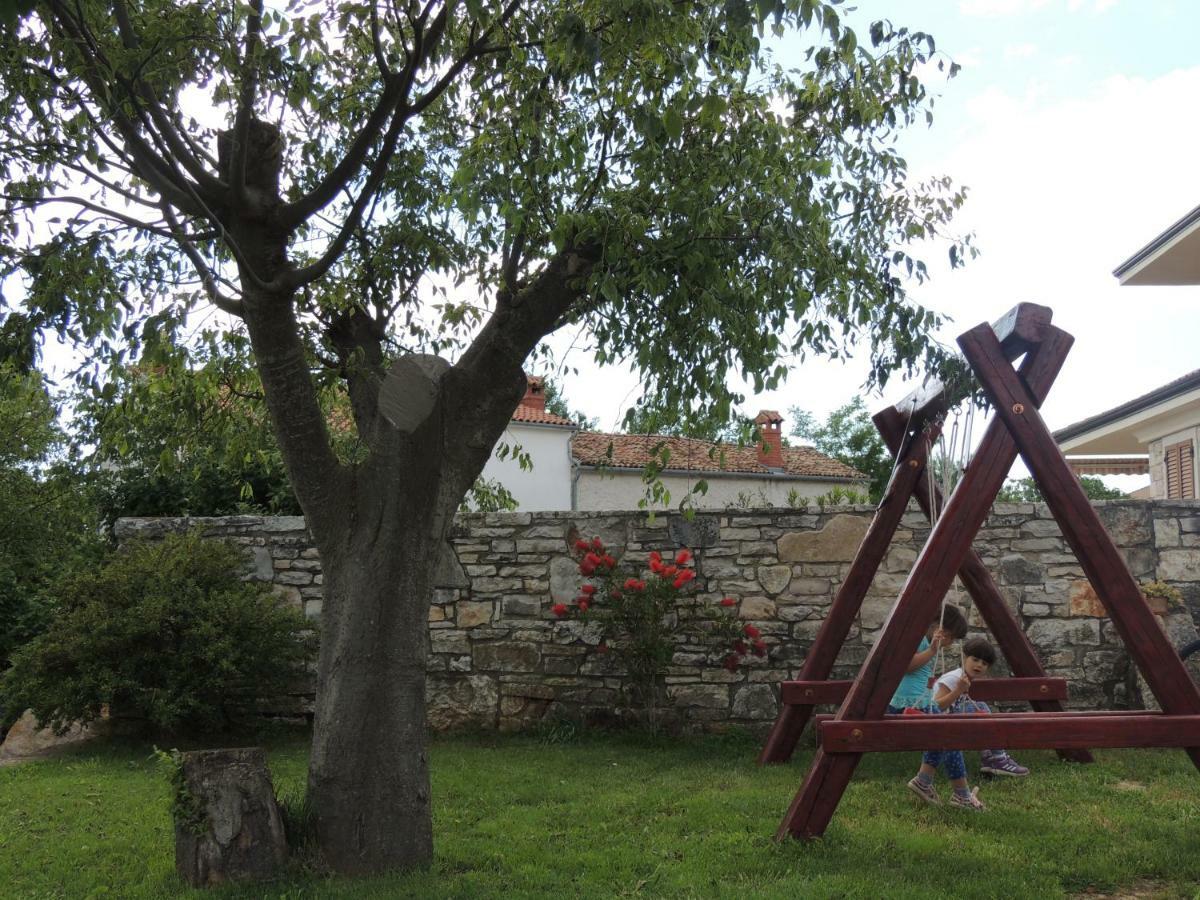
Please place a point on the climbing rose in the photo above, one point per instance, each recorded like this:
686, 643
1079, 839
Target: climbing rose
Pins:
751, 632
740, 646
683, 556
633, 584
588, 589
669, 572
583, 546
583, 604
731, 662
589, 564
597, 543
684, 577
728, 601
608, 561
760, 647
655, 556
559, 609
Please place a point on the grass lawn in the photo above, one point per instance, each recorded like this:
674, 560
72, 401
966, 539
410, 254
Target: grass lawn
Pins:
629, 815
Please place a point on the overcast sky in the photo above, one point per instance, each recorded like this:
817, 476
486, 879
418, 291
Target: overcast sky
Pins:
1073, 123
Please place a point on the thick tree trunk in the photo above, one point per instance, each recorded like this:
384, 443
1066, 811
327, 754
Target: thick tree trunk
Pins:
368, 778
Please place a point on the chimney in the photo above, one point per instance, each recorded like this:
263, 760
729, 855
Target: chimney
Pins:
535, 393
770, 442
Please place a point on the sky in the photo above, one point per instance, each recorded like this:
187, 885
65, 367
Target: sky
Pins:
1073, 124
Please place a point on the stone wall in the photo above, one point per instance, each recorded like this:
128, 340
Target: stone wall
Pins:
499, 658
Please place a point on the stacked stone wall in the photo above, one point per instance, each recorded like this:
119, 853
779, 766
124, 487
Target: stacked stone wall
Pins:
500, 659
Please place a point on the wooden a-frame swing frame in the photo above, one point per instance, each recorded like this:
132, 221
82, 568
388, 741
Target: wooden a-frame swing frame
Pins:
860, 725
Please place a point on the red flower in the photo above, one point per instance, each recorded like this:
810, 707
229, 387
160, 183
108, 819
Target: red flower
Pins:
683, 556
669, 572
728, 601
597, 543
608, 561
740, 646
583, 604
684, 577
587, 568
588, 589
655, 557
656, 566
633, 584
760, 647
751, 632
582, 546
559, 609
731, 662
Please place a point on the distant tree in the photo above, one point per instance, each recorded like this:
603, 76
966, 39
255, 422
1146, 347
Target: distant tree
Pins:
1025, 490
46, 525
658, 418
848, 435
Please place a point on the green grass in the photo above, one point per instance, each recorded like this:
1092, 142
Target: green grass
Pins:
626, 815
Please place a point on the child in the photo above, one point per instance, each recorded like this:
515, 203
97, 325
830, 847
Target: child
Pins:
950, 693
914, 692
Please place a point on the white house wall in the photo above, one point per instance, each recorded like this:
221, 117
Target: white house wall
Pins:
624, 489
547, 486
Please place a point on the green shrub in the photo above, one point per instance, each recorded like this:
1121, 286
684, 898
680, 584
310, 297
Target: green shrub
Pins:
167, 631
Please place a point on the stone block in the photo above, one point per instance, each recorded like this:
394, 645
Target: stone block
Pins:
754, 701
710, 696
696, 532
473, 613
1019, 570
1166, 533
1084, 601
293, 578
506, 656
1055, 634
774, 579
281, 524
810, 587
757, 608
1178, 565
521, 606
458, 702
1127, 523
838, 541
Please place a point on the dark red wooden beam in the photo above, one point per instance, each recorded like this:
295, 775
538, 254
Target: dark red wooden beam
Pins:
987, 689
1020, 731
822, 718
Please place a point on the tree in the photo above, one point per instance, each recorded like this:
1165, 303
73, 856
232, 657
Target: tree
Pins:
1025, 490
45, 524
651, 417
848, 435
642, 168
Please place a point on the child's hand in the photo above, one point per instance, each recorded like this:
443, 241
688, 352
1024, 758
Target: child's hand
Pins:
964, 683
940, 639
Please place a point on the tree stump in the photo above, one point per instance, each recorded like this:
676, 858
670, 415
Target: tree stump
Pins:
227, 823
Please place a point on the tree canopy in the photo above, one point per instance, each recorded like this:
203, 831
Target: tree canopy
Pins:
409, 197
848, 435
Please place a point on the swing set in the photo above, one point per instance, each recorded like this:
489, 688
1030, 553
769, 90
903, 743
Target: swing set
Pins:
910, 430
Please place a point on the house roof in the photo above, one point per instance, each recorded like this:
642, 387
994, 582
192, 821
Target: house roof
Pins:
1122, 429
1171, 258
534, 415
634, 451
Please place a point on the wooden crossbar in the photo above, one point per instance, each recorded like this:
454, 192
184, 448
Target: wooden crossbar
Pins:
1021, 731
987, 689
822, 718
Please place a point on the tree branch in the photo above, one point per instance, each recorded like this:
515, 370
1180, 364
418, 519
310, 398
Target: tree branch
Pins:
245, 110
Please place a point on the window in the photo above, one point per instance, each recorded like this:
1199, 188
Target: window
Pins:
1181, 471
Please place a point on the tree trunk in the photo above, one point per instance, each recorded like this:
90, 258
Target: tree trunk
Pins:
368, 778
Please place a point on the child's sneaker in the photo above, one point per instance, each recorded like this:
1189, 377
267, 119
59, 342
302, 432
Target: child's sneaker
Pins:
967, 801
1001, 765
925, 792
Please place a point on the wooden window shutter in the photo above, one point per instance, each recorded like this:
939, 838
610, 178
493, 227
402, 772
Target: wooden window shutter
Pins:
1181, 471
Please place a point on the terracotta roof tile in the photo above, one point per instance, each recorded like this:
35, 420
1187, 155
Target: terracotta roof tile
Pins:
537, 416
633, 451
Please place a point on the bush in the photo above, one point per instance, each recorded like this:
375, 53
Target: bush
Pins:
167, 631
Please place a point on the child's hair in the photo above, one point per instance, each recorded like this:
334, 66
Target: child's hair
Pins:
981, 649
953, 622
